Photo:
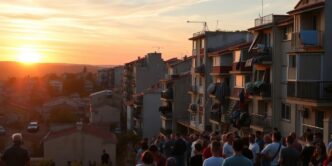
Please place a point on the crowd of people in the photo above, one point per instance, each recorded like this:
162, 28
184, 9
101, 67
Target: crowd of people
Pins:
228, 149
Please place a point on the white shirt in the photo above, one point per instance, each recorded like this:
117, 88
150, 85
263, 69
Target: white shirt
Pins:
227, 150
254, 147
213, 161
271, 150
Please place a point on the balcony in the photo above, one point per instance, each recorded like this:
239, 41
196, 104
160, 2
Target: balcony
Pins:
138, 99
201, 52
220, 70
200, 70
264, 20
193, 89
137, 114
236, 92
165, 110
310, 90
259, 89
166, 132
261, 122
307, 40
215, 117
239, 67
167, 94
193, 108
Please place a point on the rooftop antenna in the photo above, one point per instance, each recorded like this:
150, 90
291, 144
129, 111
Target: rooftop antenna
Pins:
205, 27
217, 25
158, 48
262, 8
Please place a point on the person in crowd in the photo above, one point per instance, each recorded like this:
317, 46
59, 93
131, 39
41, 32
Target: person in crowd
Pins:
319, 155
329, 146
254, 147
237, 158
105, 158
216, 159
197, 139
16, 155
143, 147
328, 160
259, 139
159, 160
267, 140
147, 159
169, 145
197, 159
179, 150
270, 153
171, 161
308, 150
289, 156
318, 138
246, 152
227, 148
296, 143
207, 151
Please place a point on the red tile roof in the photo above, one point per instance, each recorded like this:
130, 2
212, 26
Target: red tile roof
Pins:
87, 129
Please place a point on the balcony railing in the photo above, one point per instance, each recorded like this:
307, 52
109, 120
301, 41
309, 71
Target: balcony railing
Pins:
200, 69
193, 89
261, 121
166, 131
193, 108
167, 94
259, 88
307, 39
215, 116
264, 20
310, 90
221, 69
240, 66
201, 51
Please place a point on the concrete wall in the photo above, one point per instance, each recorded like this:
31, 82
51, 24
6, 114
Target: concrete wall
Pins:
181, 99
151, 115
118, 75
105, 115
327, 58
309, 67
77, 147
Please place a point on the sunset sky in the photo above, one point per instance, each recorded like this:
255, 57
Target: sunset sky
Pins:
116, 31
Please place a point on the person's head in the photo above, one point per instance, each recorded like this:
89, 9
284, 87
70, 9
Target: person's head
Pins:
17, 138
309, 138
259, 134
275, 129
147, 157
267, 138
293, 135
198, 148
320, 149
153, 149
224, 138
238, 145
276, 136
171, 161
104, 151
289, 140
215, 148
318, 136
252, 138
144, 145
245, 141
229, 137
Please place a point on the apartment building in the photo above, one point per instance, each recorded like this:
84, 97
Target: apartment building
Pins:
229, 76
309, 79
174, 96
265, 55
203, 43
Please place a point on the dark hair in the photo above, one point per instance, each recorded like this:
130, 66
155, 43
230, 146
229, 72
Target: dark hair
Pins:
171, 161
153, 148
238, 145
259, 133
309, 137
290, 139
198, 147
147, 157
144, 145
276, 136
319, 135
245, 141
215, 146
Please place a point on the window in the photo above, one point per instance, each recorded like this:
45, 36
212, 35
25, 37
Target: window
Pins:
292, 61
319, 119
237, 56
239, 81
285, 112
216, 61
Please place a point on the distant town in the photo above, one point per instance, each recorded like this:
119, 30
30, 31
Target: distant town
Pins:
273, 77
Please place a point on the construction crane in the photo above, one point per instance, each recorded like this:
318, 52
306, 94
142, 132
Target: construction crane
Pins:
205, 27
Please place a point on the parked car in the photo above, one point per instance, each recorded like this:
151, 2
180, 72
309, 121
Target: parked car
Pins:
2, 130
33, 127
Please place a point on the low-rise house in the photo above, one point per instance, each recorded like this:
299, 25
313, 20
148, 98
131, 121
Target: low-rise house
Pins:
81, 144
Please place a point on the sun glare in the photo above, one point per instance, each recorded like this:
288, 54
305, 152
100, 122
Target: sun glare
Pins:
28, 55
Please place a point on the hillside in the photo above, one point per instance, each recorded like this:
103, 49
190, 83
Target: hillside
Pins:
15, 69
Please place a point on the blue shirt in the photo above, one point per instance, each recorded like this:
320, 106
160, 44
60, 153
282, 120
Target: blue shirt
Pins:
213, 161
237, 160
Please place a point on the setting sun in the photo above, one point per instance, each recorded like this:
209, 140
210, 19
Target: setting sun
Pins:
28, 55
